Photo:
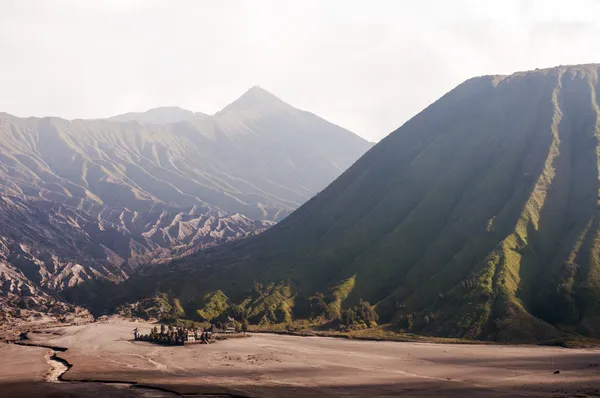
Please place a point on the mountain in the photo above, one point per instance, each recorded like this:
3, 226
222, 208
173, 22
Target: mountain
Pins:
162, 115
259, 157
46, 247
477, 218
88, 199
22, 301
57, 246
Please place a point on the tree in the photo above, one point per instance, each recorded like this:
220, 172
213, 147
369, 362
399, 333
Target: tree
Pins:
348, 317
366, 312
359, 315
238, 312
245, 326
270, 315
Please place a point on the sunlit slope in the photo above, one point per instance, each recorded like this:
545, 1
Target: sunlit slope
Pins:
478, 218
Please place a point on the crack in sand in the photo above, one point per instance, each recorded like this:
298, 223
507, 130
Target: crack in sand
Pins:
59, 366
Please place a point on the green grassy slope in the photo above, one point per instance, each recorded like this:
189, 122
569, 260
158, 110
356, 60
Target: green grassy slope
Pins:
477, 218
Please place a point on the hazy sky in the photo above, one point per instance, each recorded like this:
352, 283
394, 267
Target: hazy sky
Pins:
366, 65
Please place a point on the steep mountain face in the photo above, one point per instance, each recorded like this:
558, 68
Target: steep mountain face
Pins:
259, 157
24, 301
162, 115
477, 218
46, 247
56, 246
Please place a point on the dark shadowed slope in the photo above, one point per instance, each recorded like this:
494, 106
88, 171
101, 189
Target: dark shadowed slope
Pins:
259, 157
477, 218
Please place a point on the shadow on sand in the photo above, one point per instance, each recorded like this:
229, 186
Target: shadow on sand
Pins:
403, 389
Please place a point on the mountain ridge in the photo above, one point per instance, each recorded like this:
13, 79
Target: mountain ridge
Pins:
158, 115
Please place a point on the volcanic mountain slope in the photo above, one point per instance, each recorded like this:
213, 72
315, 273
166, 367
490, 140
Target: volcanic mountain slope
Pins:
56, 246
479, 218
23, 301
259, 157
46, 247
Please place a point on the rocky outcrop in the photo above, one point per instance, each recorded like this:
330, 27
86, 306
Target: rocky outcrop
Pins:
46, 247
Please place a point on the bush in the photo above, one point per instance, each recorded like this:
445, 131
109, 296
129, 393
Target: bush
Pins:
349, 317
332, 312
238, 312
359, 316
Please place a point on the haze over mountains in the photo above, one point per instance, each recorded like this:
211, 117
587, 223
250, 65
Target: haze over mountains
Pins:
477, 218
259, 156
88, 199
162, 115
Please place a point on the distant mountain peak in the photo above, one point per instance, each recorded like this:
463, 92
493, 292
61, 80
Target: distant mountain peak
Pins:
258, 92
256, 98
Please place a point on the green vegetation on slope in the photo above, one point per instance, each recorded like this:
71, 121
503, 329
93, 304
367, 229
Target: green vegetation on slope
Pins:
164, 307
214, 304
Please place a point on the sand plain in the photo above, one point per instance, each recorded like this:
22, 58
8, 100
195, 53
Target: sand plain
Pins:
103, 361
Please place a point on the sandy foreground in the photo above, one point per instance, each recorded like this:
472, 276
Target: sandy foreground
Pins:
104, 362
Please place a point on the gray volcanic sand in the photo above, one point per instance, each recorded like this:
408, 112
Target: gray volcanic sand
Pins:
275, 365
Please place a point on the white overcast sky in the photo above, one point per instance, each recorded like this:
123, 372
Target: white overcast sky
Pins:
366, 65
